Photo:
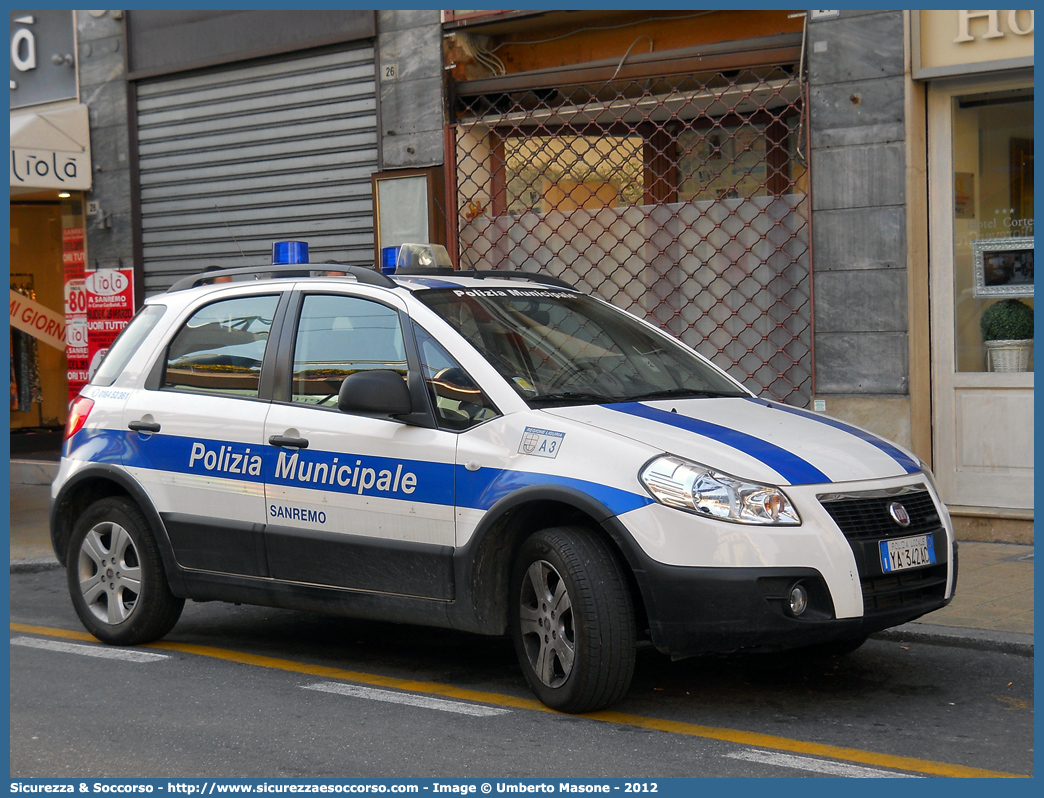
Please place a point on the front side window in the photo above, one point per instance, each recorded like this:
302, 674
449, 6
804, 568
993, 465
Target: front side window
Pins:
338, 336
459, 402
557, 347
220, 349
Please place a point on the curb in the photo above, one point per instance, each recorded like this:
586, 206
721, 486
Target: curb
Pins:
1018, 643
34, 566
33, 472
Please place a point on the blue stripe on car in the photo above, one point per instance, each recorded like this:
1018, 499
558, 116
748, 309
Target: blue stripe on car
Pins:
792, 468
483, 488
910, 465
435, 483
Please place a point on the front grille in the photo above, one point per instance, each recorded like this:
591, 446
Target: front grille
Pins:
866, 517
865, 521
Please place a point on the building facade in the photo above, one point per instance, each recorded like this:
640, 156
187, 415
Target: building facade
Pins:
824, 203
52, 168
923, 143
973, 75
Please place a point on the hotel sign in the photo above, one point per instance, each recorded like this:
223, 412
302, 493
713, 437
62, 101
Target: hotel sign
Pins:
947, 42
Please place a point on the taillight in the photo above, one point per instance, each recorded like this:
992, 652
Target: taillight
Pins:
78, 412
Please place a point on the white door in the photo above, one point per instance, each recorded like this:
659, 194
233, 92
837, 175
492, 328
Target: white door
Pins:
353, 501
980, 206
199, 450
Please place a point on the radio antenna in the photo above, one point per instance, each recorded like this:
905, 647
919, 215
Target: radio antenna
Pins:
241, 253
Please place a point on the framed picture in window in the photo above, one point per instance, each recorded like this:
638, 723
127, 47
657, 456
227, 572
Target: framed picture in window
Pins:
1003, 267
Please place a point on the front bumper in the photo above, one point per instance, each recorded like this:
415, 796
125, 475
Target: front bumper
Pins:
716, 588
720, 610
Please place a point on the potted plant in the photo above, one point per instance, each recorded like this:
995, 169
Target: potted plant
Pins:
1007, 331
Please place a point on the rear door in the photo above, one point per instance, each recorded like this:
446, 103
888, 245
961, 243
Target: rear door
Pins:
195, 438
354, 501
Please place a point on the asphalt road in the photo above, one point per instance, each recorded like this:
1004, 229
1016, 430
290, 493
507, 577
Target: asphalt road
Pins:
255, 692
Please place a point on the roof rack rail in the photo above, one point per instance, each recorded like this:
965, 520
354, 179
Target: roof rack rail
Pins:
484, 274
361, 273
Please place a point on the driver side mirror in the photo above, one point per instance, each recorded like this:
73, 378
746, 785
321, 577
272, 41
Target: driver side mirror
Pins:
379, 391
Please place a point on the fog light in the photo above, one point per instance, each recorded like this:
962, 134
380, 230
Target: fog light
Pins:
798, 600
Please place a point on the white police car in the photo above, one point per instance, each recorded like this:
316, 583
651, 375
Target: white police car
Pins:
491, 452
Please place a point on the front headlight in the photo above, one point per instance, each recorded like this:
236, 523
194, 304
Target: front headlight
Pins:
701, 490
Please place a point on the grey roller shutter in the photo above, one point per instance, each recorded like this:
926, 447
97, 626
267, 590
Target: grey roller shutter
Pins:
233, 159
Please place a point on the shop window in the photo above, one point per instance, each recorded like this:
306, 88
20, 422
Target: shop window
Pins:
682, 198
993, 222
545, 173
725, 159
744, 159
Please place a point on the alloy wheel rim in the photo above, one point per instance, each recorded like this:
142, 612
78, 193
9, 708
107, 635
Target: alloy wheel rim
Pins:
109, 573
546, 621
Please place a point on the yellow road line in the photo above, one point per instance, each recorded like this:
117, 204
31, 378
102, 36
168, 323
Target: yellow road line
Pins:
910, 764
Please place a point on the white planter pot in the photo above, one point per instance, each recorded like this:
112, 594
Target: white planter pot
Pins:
1009, 355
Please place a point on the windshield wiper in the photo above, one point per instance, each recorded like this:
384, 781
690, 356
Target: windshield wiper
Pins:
571, 397
685, 393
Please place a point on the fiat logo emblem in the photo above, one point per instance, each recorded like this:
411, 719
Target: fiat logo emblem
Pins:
899, 514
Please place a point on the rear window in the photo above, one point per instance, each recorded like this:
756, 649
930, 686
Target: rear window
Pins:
126, 344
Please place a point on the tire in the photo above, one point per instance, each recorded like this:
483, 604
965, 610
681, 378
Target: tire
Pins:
572, 620
116, 577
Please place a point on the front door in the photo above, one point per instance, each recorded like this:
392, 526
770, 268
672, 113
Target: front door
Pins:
353, 501
981, 233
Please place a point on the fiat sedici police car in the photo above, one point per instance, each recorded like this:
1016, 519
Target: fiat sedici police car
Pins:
493, 452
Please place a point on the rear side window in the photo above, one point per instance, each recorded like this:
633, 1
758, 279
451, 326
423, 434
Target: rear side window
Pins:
338, 336
126, 344
221, 348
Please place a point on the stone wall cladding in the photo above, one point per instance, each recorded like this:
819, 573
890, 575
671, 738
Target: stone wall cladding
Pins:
412, 105
103, 89
856, 67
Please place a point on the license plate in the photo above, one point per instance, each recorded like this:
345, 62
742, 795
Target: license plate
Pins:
899, 555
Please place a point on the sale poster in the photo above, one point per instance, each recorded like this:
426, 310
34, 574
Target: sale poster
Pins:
76, 350
110, 306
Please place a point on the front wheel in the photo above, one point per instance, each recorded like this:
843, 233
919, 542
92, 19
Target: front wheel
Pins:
116, 577
572, 620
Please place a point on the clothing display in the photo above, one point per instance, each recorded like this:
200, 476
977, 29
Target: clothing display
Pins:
25, 363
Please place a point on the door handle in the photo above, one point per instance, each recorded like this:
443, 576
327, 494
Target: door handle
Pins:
295, 443
144, 426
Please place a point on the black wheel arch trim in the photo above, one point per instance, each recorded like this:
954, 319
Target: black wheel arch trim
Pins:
61, 525
482, 568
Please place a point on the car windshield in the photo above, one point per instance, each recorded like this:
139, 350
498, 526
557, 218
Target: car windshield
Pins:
560, 347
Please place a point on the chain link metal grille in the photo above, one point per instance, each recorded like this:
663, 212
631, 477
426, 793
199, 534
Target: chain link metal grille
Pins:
682, 199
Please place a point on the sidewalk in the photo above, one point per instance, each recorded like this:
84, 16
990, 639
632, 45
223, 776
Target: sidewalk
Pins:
992, 610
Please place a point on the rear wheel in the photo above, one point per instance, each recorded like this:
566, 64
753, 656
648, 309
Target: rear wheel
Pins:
572, 620
116, 577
